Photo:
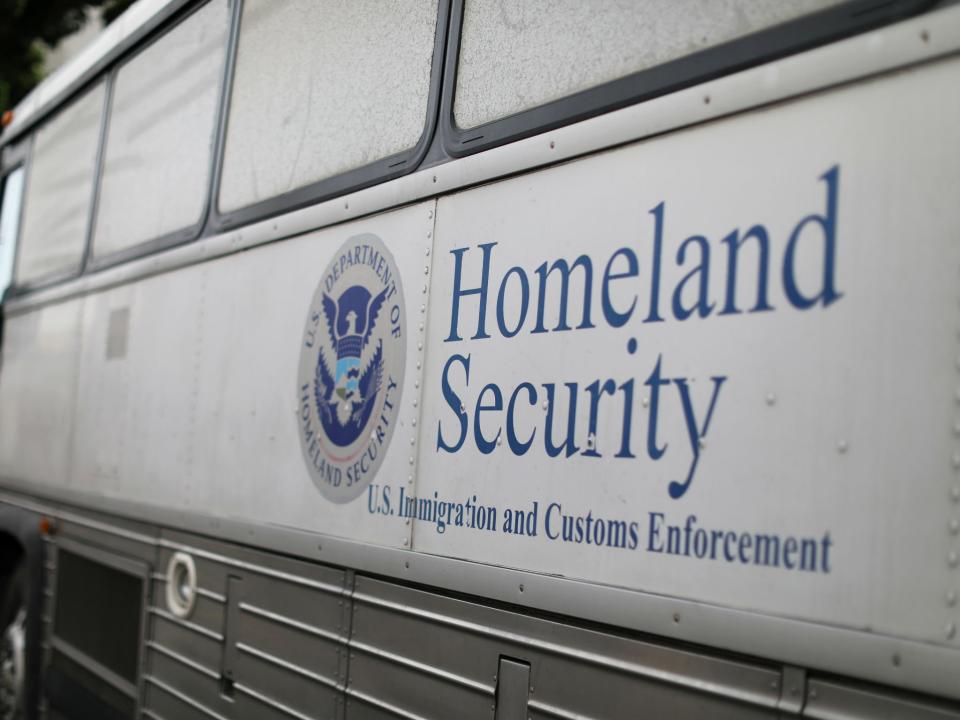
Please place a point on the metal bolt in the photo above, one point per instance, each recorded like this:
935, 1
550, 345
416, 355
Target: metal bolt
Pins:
896, 659
499, 440
702, 443
955, 493
771, 399
925, 36
430, 215
842, 446
645, 401
954, 526
950, 630
552, 144
953, 559
406, 541
413, 422
426, 269
951, 598
956, 460
411, 459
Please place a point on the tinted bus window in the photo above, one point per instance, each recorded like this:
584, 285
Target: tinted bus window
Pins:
9, 224
323, 87
517, 55
60, 189
161, 133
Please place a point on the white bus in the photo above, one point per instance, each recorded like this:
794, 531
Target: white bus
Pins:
485, 359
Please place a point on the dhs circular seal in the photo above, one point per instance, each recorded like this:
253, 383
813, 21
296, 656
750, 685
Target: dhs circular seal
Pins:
351, 368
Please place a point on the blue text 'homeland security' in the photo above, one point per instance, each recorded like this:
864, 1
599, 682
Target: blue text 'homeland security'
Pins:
615, 290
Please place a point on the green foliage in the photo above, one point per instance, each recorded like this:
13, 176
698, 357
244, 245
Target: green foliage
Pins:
26, 26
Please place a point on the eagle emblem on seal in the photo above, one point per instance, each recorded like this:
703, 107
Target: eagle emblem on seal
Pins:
349, 370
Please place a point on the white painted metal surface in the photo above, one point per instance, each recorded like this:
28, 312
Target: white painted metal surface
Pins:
38, 380
812, 428
198, 411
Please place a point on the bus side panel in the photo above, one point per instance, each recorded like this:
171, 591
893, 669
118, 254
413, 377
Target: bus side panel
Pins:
759, 335
37, 393
188, 391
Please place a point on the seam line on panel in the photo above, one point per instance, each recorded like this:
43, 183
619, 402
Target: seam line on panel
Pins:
292, 667
202, 592
376, 702
267, 700
253, 567
628, 668
552, 710
186, 623
153, 645
423, 667
182, 697
420, 386
290, 622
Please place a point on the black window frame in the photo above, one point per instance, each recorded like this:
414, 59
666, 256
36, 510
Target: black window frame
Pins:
15, 157
19, 287
93, 263
794, 36
441, 139
379, 171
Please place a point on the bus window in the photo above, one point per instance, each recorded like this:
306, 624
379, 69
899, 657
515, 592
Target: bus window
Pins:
323, 87
515, 56
160, 137
59, 191
9, 223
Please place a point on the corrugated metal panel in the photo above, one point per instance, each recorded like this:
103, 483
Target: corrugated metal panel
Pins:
836, 700
280, 631
306, 641
415, 654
